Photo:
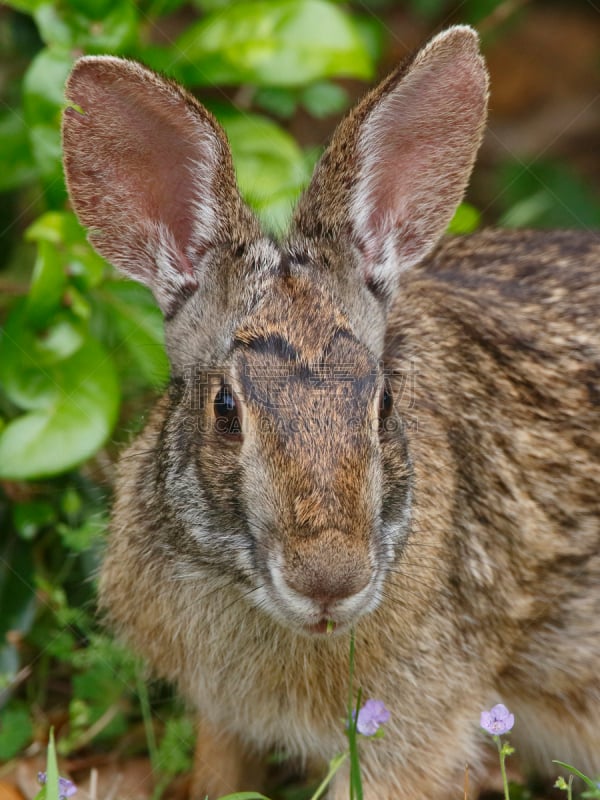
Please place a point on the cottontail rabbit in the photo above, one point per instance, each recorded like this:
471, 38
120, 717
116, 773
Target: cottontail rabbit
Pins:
361, 431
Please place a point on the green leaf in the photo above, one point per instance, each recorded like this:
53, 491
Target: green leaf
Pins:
25, 368
71, 503
160, 8
61, 339
428, 9
374, 34
103, 648
43, 86
62, 229
29, 518
270, 166
588, 781
52, 26
17, 165
528, 212
46, 147
324, 98
206, 6
72, 426
276, 100
95, 691
113, 29
475, 10
245, 796
26, 6
135, 323
51, 786
176, 746
288, 43
16, 731
93, 9
48, 284
97, 686
31, 361
466, 219
81, 538
57, 227
547, 195
43, 100
60, 645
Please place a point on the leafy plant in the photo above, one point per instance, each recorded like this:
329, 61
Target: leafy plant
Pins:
79, 346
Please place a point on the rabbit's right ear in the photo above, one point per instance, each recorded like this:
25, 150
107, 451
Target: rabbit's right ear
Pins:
149, 172
399, 163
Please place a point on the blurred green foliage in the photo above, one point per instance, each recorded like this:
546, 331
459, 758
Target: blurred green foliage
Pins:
79, 347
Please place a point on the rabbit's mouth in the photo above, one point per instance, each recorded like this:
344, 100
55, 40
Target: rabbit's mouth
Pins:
317, 615
325, 626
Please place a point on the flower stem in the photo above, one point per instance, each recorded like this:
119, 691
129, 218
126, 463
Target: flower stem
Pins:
351, 677
356, 792
502, 755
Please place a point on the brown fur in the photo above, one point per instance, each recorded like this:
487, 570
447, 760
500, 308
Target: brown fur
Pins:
459, 536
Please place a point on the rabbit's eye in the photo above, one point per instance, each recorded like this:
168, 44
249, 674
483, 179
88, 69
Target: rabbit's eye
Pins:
386, 401
227, 413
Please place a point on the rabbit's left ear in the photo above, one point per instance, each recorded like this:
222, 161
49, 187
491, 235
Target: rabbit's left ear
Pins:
398, 164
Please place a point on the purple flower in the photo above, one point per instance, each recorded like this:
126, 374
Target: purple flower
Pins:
497, 721
371, 716
66, 788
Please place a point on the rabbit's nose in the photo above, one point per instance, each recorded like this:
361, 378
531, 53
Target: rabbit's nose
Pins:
328, 568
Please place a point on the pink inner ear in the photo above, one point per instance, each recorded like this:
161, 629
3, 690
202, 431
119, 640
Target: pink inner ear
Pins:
416, 153
145, 154
425, 127
142, 162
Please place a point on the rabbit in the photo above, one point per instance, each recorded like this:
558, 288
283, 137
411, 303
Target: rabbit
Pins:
370, 427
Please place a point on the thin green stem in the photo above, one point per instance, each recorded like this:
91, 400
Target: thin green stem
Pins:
142, 691
356, 790
161, 780
336, 763
160, 787
351, 679
502, 755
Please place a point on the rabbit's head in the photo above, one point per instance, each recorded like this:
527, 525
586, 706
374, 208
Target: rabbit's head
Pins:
283, 462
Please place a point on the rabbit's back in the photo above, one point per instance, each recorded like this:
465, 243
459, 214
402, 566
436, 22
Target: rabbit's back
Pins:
501, 334
558, 269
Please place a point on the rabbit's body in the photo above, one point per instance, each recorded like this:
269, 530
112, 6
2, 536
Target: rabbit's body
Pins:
276, 491
495, 594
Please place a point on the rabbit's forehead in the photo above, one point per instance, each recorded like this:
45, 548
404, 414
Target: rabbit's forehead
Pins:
273, 374
299, 315
299, 336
